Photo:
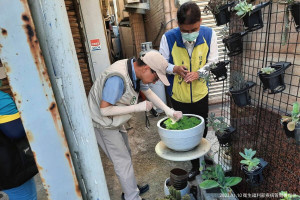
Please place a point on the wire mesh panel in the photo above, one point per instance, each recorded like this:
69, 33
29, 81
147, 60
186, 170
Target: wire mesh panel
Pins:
258, 124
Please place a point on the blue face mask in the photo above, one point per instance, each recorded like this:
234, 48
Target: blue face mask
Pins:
190, 36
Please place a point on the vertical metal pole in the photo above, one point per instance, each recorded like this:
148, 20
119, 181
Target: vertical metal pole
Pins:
53, 31
94, 26
29, 81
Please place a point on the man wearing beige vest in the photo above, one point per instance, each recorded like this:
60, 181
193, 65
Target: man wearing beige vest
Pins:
112, 100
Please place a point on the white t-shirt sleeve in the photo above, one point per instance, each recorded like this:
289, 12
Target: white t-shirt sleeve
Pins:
164, 50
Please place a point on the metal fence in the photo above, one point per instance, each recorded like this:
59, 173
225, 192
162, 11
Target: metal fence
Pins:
258, 124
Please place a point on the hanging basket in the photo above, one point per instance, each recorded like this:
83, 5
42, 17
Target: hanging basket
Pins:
253, 20
274, 82
223, 16
295, 10
255, 178
234, 43
242, 97
220, 72
225, 138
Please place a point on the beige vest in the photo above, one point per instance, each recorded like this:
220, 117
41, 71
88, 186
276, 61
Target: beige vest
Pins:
129, 97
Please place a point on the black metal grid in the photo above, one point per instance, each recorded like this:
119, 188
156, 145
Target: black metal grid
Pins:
258, 125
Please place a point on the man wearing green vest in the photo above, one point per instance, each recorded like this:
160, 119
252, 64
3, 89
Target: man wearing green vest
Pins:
189, 50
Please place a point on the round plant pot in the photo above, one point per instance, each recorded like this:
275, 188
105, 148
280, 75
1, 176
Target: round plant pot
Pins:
178, 178
274, 82
183, 192
292, 134
225, 138
181, 140
234, 43
242, 97
223, 17
295, 10
255, 177
253, 20
220, 72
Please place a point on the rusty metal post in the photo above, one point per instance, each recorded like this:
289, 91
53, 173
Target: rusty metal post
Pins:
31, 87
54, 33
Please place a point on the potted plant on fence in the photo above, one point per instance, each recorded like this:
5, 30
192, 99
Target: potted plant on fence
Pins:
219, 9
287, 196
273, 77
291, 124
294, 7
251, 15
219, 70
215, 178
252, 167
222, 130
234, 43
239, 89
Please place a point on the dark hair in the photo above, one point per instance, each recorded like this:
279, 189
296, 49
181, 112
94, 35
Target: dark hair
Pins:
140, 62
188, 13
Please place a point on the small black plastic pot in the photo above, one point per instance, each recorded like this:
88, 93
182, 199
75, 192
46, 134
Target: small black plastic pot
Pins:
253, 20
225, 138
223, 16
292, 134
295, 10
255, 178
220, 72
242, 97
214, 190
274, 82
234, 43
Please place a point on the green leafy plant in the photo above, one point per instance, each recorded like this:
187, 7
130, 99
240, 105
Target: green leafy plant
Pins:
237, 81
287, 196
251, 162
294, 119
175, 195
267, 70
221, 181
184, 123
217, 123
243, 8
214, 5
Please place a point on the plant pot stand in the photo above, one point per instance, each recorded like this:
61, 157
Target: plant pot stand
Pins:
254, 21
295, 10
226, 137
234, 43
241, 97
255, 178
274, 82
220, 72
223, 17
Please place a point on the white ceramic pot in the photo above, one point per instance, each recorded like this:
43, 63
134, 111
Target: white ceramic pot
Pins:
182, 140
183, 192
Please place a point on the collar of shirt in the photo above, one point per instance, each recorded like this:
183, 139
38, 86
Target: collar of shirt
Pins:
188, 44
133, 74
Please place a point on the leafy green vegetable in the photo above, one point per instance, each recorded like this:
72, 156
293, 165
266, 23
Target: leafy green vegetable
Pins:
184, 123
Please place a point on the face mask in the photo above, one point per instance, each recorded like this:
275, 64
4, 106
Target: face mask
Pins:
190, 36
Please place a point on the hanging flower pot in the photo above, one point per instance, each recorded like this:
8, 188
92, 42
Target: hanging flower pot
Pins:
274, 82
225, 137
253, 19
234, 43
242, 97
220, 71
255, 177
295, 10
223, 16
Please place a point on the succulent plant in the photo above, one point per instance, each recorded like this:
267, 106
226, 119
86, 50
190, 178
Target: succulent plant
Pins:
294, 119
287, 196
251, 162
237, 81
267, 70
217, 123
213, 6
243, 8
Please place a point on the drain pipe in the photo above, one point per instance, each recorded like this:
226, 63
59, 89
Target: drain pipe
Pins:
53, 31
